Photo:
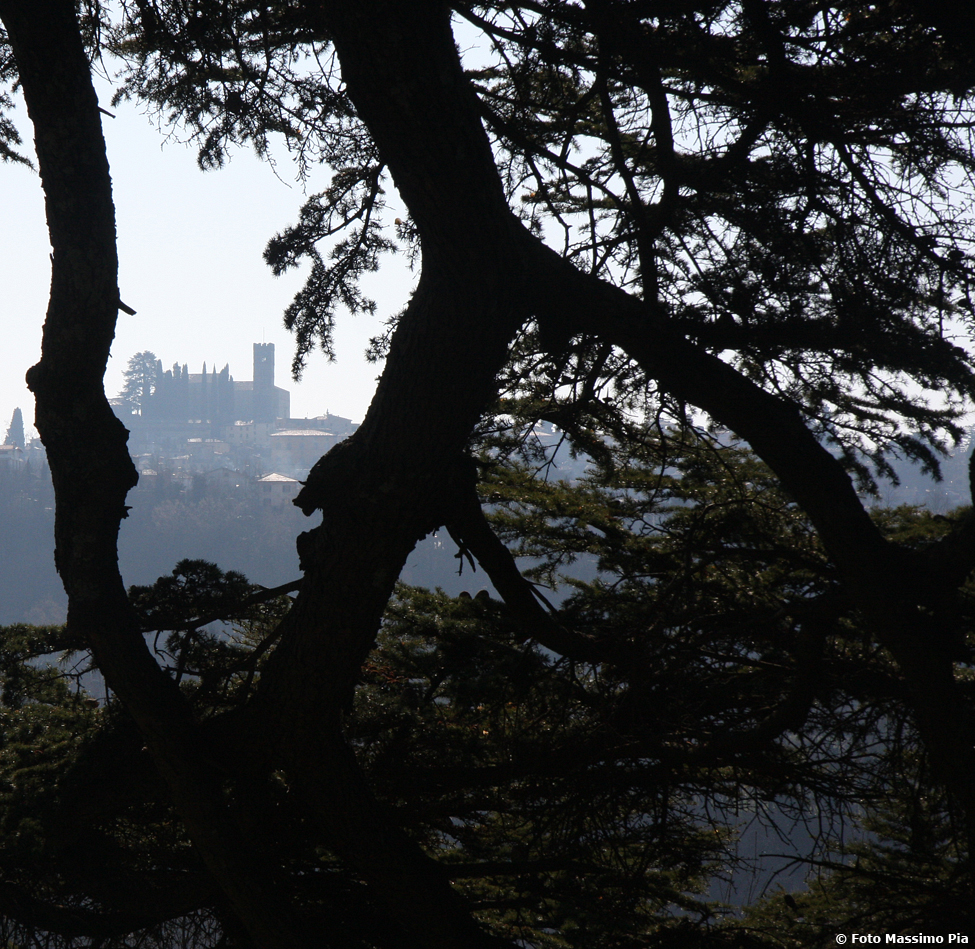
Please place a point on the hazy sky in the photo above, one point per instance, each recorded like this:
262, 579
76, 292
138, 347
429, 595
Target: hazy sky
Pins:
190, 246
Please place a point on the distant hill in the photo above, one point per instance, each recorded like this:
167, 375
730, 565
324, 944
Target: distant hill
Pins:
208, 519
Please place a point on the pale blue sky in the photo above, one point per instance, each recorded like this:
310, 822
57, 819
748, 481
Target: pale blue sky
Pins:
190, 249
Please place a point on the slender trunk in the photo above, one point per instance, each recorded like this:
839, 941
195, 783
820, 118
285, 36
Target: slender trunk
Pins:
86, 443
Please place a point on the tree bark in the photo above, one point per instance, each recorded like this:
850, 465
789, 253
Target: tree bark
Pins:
400, 475
86, 443
404, 78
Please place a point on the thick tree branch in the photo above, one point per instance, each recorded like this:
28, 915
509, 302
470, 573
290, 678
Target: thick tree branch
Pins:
886, 581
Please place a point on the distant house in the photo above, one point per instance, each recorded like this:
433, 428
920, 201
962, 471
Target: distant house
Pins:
203, 450
333, 424
248, 434
276, 490
223, 482
299, 448
12, 458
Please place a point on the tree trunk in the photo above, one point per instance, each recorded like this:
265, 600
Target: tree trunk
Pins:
400, 475
433, 142
86, 443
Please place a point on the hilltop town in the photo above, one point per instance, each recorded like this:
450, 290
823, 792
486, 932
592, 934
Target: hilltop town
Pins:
211, 435
219, 462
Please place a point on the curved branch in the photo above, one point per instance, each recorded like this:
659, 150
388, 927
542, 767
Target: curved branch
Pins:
82, 922
889, 582
470, 529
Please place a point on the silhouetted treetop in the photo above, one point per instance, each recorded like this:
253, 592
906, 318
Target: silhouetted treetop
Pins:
668, 229
15, 431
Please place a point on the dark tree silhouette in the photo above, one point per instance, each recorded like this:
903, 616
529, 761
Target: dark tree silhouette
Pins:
140, 381
752, 210
15, 432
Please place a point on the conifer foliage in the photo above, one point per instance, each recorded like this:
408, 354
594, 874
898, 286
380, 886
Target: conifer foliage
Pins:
640, 222
141, 379
15, 432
